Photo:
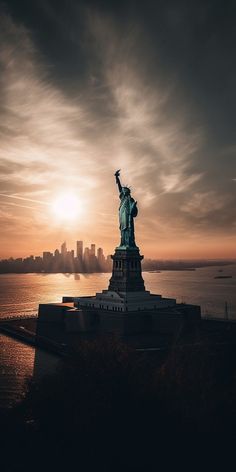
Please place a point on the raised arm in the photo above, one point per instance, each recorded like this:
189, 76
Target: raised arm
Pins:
118, 180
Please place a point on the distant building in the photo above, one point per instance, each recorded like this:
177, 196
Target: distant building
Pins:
79, 249
38, 263
47, 256
100, 253
38, 259
56, 253
101, 259
93, 250
86, 253
47, 261
69, 261
63, 249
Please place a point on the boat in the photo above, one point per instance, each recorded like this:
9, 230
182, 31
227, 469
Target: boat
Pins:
223, 277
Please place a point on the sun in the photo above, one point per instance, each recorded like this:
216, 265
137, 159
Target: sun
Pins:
66, 207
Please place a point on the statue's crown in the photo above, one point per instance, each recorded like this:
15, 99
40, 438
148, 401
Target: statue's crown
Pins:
127, 188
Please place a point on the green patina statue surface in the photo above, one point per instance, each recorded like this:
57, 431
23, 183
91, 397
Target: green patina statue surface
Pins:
127, 212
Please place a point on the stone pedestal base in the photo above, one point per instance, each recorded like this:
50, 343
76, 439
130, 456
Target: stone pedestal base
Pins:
125, 301
126, 273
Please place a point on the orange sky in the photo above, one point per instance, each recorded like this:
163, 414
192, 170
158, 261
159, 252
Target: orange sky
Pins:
39, 229
58, 139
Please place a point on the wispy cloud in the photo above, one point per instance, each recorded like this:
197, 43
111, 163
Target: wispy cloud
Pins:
23, 198
203, 204
54, 139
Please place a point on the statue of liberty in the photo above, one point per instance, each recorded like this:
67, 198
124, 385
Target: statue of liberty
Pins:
127, 212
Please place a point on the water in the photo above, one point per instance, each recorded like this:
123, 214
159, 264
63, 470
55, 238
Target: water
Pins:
21, 294
18, 362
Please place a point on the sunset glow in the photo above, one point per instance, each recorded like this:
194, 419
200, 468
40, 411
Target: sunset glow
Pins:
66, 207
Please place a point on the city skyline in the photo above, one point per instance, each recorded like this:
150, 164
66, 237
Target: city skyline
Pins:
80, 247
81, 259
90, 258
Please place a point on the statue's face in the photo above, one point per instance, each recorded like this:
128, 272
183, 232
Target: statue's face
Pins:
126, 191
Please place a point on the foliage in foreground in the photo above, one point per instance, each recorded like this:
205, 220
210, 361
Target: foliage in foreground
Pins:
110, 406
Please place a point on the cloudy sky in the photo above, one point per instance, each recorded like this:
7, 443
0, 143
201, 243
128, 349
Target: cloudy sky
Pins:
90, 87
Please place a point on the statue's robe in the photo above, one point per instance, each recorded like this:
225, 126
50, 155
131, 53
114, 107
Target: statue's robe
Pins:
127, 211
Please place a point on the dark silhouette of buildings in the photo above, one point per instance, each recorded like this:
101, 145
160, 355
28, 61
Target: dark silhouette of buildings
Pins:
61, 261
88, 260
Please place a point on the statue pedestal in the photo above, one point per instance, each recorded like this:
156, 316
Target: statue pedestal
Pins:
126, 291
123, 301
126, 272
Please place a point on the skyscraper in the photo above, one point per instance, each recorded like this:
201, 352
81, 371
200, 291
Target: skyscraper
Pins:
47, 256
47, 260
63, 249
100, 254
86, 253
79, 249
93, 249
100, 258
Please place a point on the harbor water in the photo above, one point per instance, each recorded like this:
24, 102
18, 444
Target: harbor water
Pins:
20, 294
